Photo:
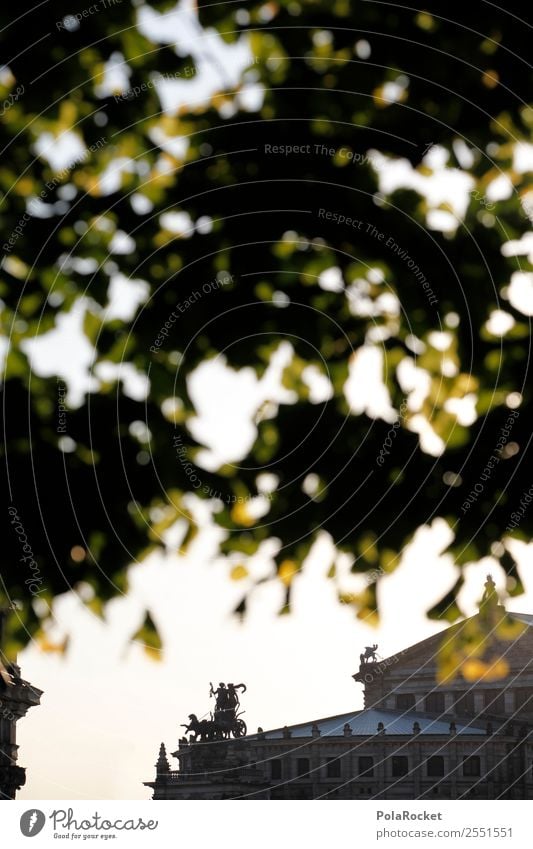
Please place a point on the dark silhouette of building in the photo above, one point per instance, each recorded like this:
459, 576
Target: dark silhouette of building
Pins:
450, 717
16, 698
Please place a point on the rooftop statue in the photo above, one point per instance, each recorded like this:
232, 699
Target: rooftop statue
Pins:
490, 606
369, 654
227, 699
225, 720
490, 594
221, 695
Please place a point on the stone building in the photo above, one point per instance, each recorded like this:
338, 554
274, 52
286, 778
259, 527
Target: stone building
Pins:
450, 717
16, 698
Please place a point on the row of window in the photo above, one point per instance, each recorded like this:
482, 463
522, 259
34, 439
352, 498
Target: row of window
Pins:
463, 702
365, 767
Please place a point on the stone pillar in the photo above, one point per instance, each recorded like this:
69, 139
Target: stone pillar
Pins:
528, 790
315, 765
16, 697
420, 702
381, 770
449, 700
416, 766
479, 703
453, 764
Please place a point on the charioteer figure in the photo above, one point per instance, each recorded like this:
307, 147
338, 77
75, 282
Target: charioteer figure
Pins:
221, 697
227, 701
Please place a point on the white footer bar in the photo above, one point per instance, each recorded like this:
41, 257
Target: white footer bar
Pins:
268, 824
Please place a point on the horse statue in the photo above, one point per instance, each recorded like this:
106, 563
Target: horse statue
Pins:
369, 654
206, 729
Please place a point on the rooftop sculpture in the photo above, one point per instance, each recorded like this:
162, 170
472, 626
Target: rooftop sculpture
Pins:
369, 655
224, 721
490, 594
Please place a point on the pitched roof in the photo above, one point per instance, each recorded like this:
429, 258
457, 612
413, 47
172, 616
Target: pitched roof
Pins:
364, 723
526, 618
432, 642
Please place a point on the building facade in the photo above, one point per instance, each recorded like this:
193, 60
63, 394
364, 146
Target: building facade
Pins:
17, 696
450, 717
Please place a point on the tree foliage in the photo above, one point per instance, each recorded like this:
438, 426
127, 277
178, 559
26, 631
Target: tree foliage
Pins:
263, 253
